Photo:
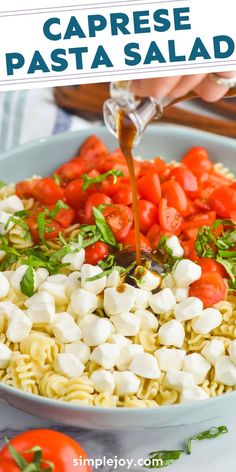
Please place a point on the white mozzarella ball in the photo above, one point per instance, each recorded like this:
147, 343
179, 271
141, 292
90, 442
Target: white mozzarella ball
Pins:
174, 245
186, 272
11, 204
86, 320
8, 274
232, 351
65, 329
225, 371
180, 293
178, 379
103, 381
127, 324
5, 356
72, 283
145, 365
69, 365
106, 355
163, 301
96, 331
197, 365
127, 383
149, 321
41, 307
6, 309
141, 299
119, 339
55, 285
148, 279
168, 282
80, 350
4, 286
83, 302
113, 279
97, 286
127, 354
172, 334
170, 358
41, 275
209, 320
213, 350
5, 223
119, 300
75, 258
19, 326
17, 277
192, 394
188, 309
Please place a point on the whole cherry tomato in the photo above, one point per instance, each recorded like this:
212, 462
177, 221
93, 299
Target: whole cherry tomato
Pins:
96, 252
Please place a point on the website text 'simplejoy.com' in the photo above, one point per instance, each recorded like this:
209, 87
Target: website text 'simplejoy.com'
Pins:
116, 462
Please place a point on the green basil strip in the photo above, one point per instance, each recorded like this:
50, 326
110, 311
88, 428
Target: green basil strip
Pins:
104, 228
160, 459
27, 282
211, 433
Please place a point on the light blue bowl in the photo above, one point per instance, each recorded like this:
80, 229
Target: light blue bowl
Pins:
42, 157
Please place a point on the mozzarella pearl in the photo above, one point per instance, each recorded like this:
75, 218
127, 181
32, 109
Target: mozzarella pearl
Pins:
209, 320
170, 358
103, 381
145, 365
162, 302
188, 309
197, 365
119, 300
106, 355
172, 334
67, 364
126, 383
192, 394
225, 371
186, 272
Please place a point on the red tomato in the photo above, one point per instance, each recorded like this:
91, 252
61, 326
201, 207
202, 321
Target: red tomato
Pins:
92, 147
46, 191
234, 186
210, 265
123, 195
210, 288
154, 236
149, 188
65, 216
74, 194
169, 218
195, 222
186, 180
25, 188
130, 243
120, 219
71, 170
223, 201
109, 187
216, 180
197, 160
96, 252
147, 167
56, 447
160, 166
148, 215
54, 227
95, 200
176, 197
190, 251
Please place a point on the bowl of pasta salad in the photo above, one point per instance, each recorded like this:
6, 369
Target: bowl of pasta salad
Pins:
90, 338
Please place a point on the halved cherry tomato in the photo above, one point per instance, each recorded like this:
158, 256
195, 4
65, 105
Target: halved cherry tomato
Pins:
154, 236
176, 197
75, 196
147, 167
53, 226
148, 215
65, 216
160, 166
94, 200
149, 188
223, 201
24, 189
187, 180
46, 191
210, 288
197, 160
195, 222
123, 195
57, 448
216, 180
129, 242
190, 250
211, 265
120, 219
170, 220
71, 170
96, 252
233, 186
92, 147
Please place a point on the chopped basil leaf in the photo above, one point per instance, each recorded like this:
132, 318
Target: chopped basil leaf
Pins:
108, 263
22, 213
100, 178
19, 222
41, 225
104, 228
58, 255
99, 276
59, 206
27, 282
212, 433
57, 179
160, 459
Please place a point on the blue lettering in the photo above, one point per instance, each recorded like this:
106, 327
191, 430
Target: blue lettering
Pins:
162, 23
37, 63
130, 52
218, 40
78, 52
74, 29
14, 61
47, 29
199, 50
101, 59
96, 23
172, 53
180, 18
139, 21
61, 61
119, 21
154, 54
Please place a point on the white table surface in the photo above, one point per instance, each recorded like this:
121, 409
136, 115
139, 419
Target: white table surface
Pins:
208, 456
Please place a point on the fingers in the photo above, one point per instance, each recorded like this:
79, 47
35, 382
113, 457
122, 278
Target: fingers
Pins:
186, 84
210, 91
158, 88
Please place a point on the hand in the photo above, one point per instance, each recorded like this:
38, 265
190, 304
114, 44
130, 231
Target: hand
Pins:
174, 87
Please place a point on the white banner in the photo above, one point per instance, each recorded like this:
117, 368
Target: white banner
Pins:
47, 43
